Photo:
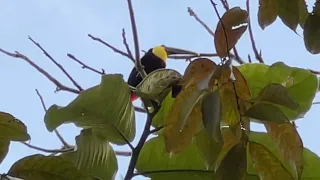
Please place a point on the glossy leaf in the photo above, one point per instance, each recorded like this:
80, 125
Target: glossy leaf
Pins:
277, 94
296, 80
267, 165
303, 12
268, 12
4, 148
229, 27
93, 156
154, 158
288, 11
235, 161
12, 128
42, 167
266, 112
156, 85
158, 119
289, 142
209, 148
311, 33
105, 108
211, 115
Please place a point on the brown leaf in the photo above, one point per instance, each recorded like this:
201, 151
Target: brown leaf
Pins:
268, 12
289, 142
228, 31
266, 164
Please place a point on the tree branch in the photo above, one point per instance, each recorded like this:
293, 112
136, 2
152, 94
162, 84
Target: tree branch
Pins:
57, 64
116, 50
59, 85
84, 66
255, 50
65, 144
136, 151
225, 4
124, 40
192, 13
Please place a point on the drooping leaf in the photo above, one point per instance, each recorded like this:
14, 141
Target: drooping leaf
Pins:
228, 27
303, 12
42, 167
267, 165
236, 161
289, 142
105, 108
288, 11
158, 119
211, 115
296, 80
266, 112
156, 85
4, 148
93, 156
209, 148
268, 12
154, 158
277, 94
184, 119
12, 128
311, 33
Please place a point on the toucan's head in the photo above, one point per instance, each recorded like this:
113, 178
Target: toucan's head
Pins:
163, 51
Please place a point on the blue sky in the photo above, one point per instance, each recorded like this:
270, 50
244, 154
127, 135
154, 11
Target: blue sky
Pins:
62, 26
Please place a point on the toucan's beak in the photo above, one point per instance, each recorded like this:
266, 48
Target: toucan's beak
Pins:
176, 51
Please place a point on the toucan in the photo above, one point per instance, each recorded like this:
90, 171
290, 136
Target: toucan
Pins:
155, 58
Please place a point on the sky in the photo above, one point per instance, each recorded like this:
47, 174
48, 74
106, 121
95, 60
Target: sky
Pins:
61, 27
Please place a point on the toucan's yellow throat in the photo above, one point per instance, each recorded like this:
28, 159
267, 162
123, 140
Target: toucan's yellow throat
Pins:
160, 52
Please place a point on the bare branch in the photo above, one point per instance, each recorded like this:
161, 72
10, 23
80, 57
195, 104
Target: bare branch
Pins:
64, 150
225, 4
192, 13
57, 64
140, 109
84, 66
124, 40
65, 144
59, 85
116, 50
314, 71
255, 50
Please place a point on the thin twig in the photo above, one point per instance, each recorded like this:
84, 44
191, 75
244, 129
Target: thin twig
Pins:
316, 103
140, 109
136, 151
116, 50
156, 129
59, 85
138, 64
314, 71
84, 66
64, 150
57, 64
124, 40
253, 43
65, 144
225, 4
192, 13
192, 56
173, 171
249, 58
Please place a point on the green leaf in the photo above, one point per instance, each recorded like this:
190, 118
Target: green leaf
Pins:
268, 12
311, 33
4, 148
40, 167
288, 11
156, 163
267, 165
211, 115
277, 94
12, 128
266, 112
303, 12
310, 160
235, 161
105, 108
93, 156
156, 85
296, 80
209, 148
158, 119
